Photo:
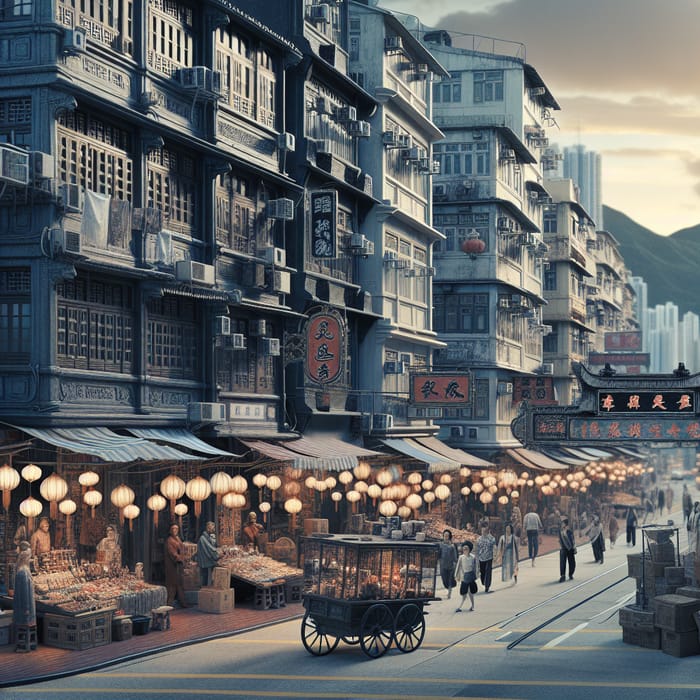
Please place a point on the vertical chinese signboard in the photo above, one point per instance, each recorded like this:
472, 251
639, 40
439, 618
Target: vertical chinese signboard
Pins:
325, 347
324, 208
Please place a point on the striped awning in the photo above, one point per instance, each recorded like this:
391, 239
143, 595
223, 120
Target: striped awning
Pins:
578, 452
535, 460
464, 458
566, 457
436, 462
331, 452
182, 437
281, 454
108, 445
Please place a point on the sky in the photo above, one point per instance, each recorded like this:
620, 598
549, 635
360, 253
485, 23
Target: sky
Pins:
626, 74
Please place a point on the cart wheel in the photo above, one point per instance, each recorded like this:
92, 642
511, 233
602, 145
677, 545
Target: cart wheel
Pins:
376, 630
351, 640
315, 642
409, 628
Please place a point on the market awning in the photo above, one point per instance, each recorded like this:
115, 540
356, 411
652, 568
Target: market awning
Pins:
108, 445
565, 457
281, 454
580, 454
595, 452
533, 459
464, 458
182, 437
629, 453
410, 448
331, 452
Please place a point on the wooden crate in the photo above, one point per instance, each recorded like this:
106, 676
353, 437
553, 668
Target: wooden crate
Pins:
649, 639
674, 613
675, 575
220, 578
636, 617
83, 631
634, 565
680, 643
216, 600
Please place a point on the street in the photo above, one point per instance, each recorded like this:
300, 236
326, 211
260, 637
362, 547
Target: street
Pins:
497, 651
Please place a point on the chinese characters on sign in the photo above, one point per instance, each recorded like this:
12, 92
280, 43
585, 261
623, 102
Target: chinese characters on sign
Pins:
537, 391
623, 340
550, 427
443, 389
325, 342
324, 205
646, 402
627, 429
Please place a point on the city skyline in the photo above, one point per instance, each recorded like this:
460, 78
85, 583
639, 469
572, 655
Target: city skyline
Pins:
617, 70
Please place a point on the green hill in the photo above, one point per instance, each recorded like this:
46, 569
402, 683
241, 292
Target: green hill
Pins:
670, 265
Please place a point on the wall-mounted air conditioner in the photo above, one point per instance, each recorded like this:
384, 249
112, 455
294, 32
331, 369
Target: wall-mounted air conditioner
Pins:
274, 256
238, 341
282, 281
14, 165
319, 13
42, 166
282, 208
389, 138
206, 412
547, 368
360, 128
456, 431
271, 346
346, 114
504, 388
63, 241
71, 197
197, 272
382, 422
286, 142
324, 105
222, 325
201, 78
404, 140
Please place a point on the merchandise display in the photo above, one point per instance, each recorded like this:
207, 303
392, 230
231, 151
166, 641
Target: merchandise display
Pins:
254, 567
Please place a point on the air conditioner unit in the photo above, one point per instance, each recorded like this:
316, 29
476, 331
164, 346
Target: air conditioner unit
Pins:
404, 140
75, 40
503, 303
391, 256
72, 197
393, 367
63, 241
456, 431
367, 249
504, 388
410, 272
389, 138
546, 330
282, 281
472, 433
323, 146
393, 43
191, 271
547, 368
206, 412
238, 341
421, 69
41, 165
286, 142
535, 91
358, 240
413, 153
14, 165
532, 194
274, 256
503, 223
324, 105
477, 135
382, 422
258, 327
359, 128
365, 130
319, 13
282, 208
201, 78
271, 346
435, 168
346, 114
222, 325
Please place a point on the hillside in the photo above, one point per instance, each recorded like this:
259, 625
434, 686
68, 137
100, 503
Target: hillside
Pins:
670, 265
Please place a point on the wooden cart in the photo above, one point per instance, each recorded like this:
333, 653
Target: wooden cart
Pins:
366, 590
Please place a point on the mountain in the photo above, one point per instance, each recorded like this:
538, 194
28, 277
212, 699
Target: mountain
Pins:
670, 265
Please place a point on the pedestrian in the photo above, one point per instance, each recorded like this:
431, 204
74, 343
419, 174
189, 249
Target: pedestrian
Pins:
508, 547
669, 498
687, 503
648, 510
567, 550
174, 561
595, 536
631, 525
613, 528
533, 526
448, 561
207, 553
466, 573
485, 546
661, 500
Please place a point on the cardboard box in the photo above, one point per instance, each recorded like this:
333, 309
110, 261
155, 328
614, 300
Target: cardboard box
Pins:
649, 639
637, 618
674, 613
220, 578
680, 643
215, 600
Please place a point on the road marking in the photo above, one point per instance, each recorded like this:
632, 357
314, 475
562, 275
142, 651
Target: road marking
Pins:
558, 640
504, 636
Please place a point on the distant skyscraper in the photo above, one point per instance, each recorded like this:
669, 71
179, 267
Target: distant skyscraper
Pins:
584, 168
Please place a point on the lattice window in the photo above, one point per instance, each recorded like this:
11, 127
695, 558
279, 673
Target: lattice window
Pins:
245, 371
15, 315
108, 22
170, 36
173, 346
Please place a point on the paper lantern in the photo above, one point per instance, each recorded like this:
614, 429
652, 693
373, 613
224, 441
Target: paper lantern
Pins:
465, 472
414, 478
493, 489
239, 484
131, 511
291, 489
515, 494
442, 492
9, 480
486, 497
404, 512
472, 245
445, 479
293, 506
361, 486
336, 497
30, 508
345, 477
156, 503
362, 470
31, 473
353, 497
320, 486
427, 485
488, 481
121, 497
259, 480
374, 491
310, 482
180, 510
273, 483
503, 500
264, 508
477, 487
507, 477
88, 479
233, 500
331, 482
220, 484
413, 501
388, 508
93, 499
53, 489
384, 477
198, 489
429, 498
465, 491
172, 487
68, 507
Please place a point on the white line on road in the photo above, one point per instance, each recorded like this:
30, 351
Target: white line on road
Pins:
503, 636
558, 640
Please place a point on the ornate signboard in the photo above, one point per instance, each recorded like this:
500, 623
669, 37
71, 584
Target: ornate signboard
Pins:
325, 347
538, 391
620, 358
324, 207
630, 341
439, 389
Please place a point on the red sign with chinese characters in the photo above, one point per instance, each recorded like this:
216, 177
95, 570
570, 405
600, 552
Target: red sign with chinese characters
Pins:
441, 389
538, 391
623, 340
625, 429
325, 340
646, 402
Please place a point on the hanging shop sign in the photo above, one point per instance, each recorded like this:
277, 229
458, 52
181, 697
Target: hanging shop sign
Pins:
538, 391
324, 208
325, 347
620, 358
439, 389
630, 341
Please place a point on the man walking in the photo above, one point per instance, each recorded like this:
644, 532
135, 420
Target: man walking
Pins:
533, 526
567, 550
484, 553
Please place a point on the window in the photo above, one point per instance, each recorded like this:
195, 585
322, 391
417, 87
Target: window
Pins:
15, 315
488, 86
171, 36
549, 278
245, 371
108, 22
16, 9
461, 313
236, 215
94, 325
550, 342
173, 348
481, 399
549, 220
454, 236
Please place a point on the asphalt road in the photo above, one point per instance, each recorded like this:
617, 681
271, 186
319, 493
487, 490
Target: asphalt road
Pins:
536, 639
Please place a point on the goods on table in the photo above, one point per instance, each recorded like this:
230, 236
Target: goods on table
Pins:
255, 567
434, 527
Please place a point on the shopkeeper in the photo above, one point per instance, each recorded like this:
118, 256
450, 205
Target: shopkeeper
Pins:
41, 539
207, 553
108, 549
174, 561
252, 530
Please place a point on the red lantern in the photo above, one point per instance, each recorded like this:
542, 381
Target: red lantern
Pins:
472, 245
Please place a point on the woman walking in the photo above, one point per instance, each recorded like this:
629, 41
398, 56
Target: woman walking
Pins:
448, 561
595, 533
613, 529
508, 547
466, 572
